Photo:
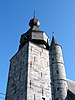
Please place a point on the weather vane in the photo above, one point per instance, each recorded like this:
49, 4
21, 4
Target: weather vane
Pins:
34, 13
52, 33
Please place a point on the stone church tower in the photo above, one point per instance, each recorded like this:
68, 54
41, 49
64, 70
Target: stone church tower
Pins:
37, 70
29, 73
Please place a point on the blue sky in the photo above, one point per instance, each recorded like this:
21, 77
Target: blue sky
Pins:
54, 15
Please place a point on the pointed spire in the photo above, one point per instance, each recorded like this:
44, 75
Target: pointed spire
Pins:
53, 39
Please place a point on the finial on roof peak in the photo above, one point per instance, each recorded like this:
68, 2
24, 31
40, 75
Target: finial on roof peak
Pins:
52, 34
34, 13
53, 39
34, 21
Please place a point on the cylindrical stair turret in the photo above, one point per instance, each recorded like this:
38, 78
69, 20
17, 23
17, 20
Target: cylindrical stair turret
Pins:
59, 83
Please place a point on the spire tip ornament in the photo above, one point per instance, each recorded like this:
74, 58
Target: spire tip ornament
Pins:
53, 34
34, 13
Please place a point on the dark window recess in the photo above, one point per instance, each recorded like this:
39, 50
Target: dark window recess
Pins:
43, 98
31, 64
41, 74
58, 89
40, 53
56, 99
57, 71
34, 96
15, 90
31, 48
47, 64
42, 92
30, 83
34, 59
52, 59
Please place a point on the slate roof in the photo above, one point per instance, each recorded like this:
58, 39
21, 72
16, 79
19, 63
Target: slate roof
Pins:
71, 86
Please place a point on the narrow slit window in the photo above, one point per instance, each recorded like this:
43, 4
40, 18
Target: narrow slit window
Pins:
31, 64
40, 53
52, 59
58, 89
43, 98
31, 48
47, 64
57, 72
30, 83
34, 96
42, 92
41, 74
34, 59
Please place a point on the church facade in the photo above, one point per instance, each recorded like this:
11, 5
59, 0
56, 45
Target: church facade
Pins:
37, 70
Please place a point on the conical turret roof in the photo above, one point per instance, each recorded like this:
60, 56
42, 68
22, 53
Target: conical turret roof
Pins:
53, 41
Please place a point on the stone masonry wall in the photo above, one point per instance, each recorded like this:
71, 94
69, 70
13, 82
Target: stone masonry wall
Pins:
38, 87
29, 74
17, 78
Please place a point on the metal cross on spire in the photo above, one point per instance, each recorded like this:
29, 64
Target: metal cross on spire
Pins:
34, 13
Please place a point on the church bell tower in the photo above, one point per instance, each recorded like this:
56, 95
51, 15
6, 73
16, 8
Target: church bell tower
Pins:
29, 72
37, 70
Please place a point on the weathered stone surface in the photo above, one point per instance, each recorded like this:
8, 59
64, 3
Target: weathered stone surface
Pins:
38, 74
58, 75
29, 74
